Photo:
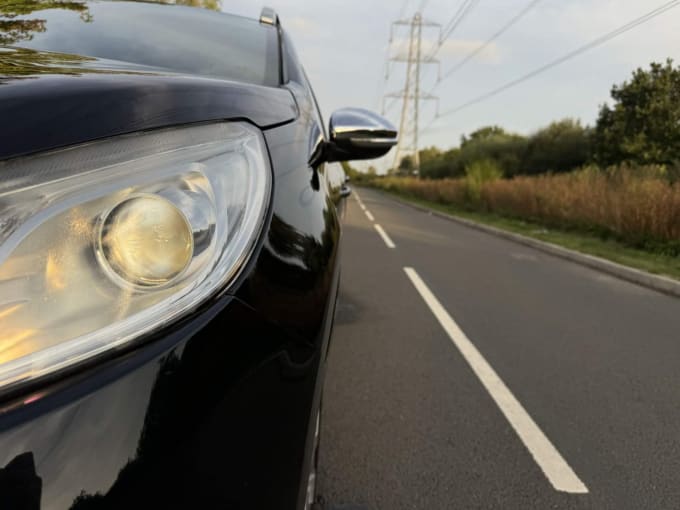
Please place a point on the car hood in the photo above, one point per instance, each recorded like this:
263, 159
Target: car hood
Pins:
50, 100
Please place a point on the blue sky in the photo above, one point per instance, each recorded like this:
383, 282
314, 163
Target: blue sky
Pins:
343, 45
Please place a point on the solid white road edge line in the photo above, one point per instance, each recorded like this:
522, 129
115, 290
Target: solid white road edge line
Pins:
384, 236
553, 465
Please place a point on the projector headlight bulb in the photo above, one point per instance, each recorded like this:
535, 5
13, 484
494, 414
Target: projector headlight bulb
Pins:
146, 240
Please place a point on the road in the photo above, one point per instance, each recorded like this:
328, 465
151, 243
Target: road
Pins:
491, 375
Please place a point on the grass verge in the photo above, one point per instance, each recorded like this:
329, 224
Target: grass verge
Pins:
579, 241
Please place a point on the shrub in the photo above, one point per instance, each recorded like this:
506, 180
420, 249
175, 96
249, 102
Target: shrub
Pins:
479, 173
561, 147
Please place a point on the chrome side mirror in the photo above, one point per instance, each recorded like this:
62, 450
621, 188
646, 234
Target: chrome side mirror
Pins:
359, 134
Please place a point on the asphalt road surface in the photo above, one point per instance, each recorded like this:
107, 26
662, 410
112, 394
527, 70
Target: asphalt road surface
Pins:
467, 371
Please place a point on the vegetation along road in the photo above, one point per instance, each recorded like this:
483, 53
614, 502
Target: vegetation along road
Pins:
612, 190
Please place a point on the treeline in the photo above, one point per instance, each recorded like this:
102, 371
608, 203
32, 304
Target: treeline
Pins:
560, 147
641, 127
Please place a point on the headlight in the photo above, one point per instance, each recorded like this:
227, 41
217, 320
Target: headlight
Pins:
104, 242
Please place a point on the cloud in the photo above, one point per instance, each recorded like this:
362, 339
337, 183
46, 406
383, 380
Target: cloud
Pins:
303, 27
457, 48
462, 47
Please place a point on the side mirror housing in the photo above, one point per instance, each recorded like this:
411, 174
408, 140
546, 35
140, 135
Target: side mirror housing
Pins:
356, 133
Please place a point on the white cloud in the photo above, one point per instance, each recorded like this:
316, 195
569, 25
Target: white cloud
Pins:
463, 47
451, 49
303, 27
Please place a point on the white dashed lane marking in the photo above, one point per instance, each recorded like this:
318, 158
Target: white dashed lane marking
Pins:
384, 236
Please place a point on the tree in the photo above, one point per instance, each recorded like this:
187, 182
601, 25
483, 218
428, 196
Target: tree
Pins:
214, 5
444, 164
643, 124
495, 144
19, 62
482, 134
14, 30
561, 147
428, 155
406, 165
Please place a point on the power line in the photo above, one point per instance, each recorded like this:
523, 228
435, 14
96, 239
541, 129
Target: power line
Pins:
463, 11
402, 11
422, 6
484, 45
461, 8
388, 62
578, 51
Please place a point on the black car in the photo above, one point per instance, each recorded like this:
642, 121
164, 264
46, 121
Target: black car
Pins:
170, 207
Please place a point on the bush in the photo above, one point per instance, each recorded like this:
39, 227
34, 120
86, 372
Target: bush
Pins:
479, 173
505, 149
441, 165
561, 147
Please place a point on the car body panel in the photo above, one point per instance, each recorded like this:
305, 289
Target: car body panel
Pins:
243, 418
219, 409
100, 102
209, 420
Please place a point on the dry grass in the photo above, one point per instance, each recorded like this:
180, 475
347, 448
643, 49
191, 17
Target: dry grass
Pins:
637, 206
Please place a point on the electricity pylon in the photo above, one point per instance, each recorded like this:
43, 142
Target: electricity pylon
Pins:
411, 94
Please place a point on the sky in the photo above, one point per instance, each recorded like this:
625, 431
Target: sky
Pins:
343, 45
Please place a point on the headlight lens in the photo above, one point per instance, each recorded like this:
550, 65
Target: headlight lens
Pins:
102, 243
147, 241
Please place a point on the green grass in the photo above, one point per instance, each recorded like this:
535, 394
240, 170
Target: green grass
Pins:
578, 241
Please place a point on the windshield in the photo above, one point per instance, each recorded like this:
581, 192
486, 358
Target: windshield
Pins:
169, 37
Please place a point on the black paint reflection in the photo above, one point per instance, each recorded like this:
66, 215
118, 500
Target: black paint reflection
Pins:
16, 26
17, 62
14, 30
20, 486
297, 268
135, 473
314, 182
226, 417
